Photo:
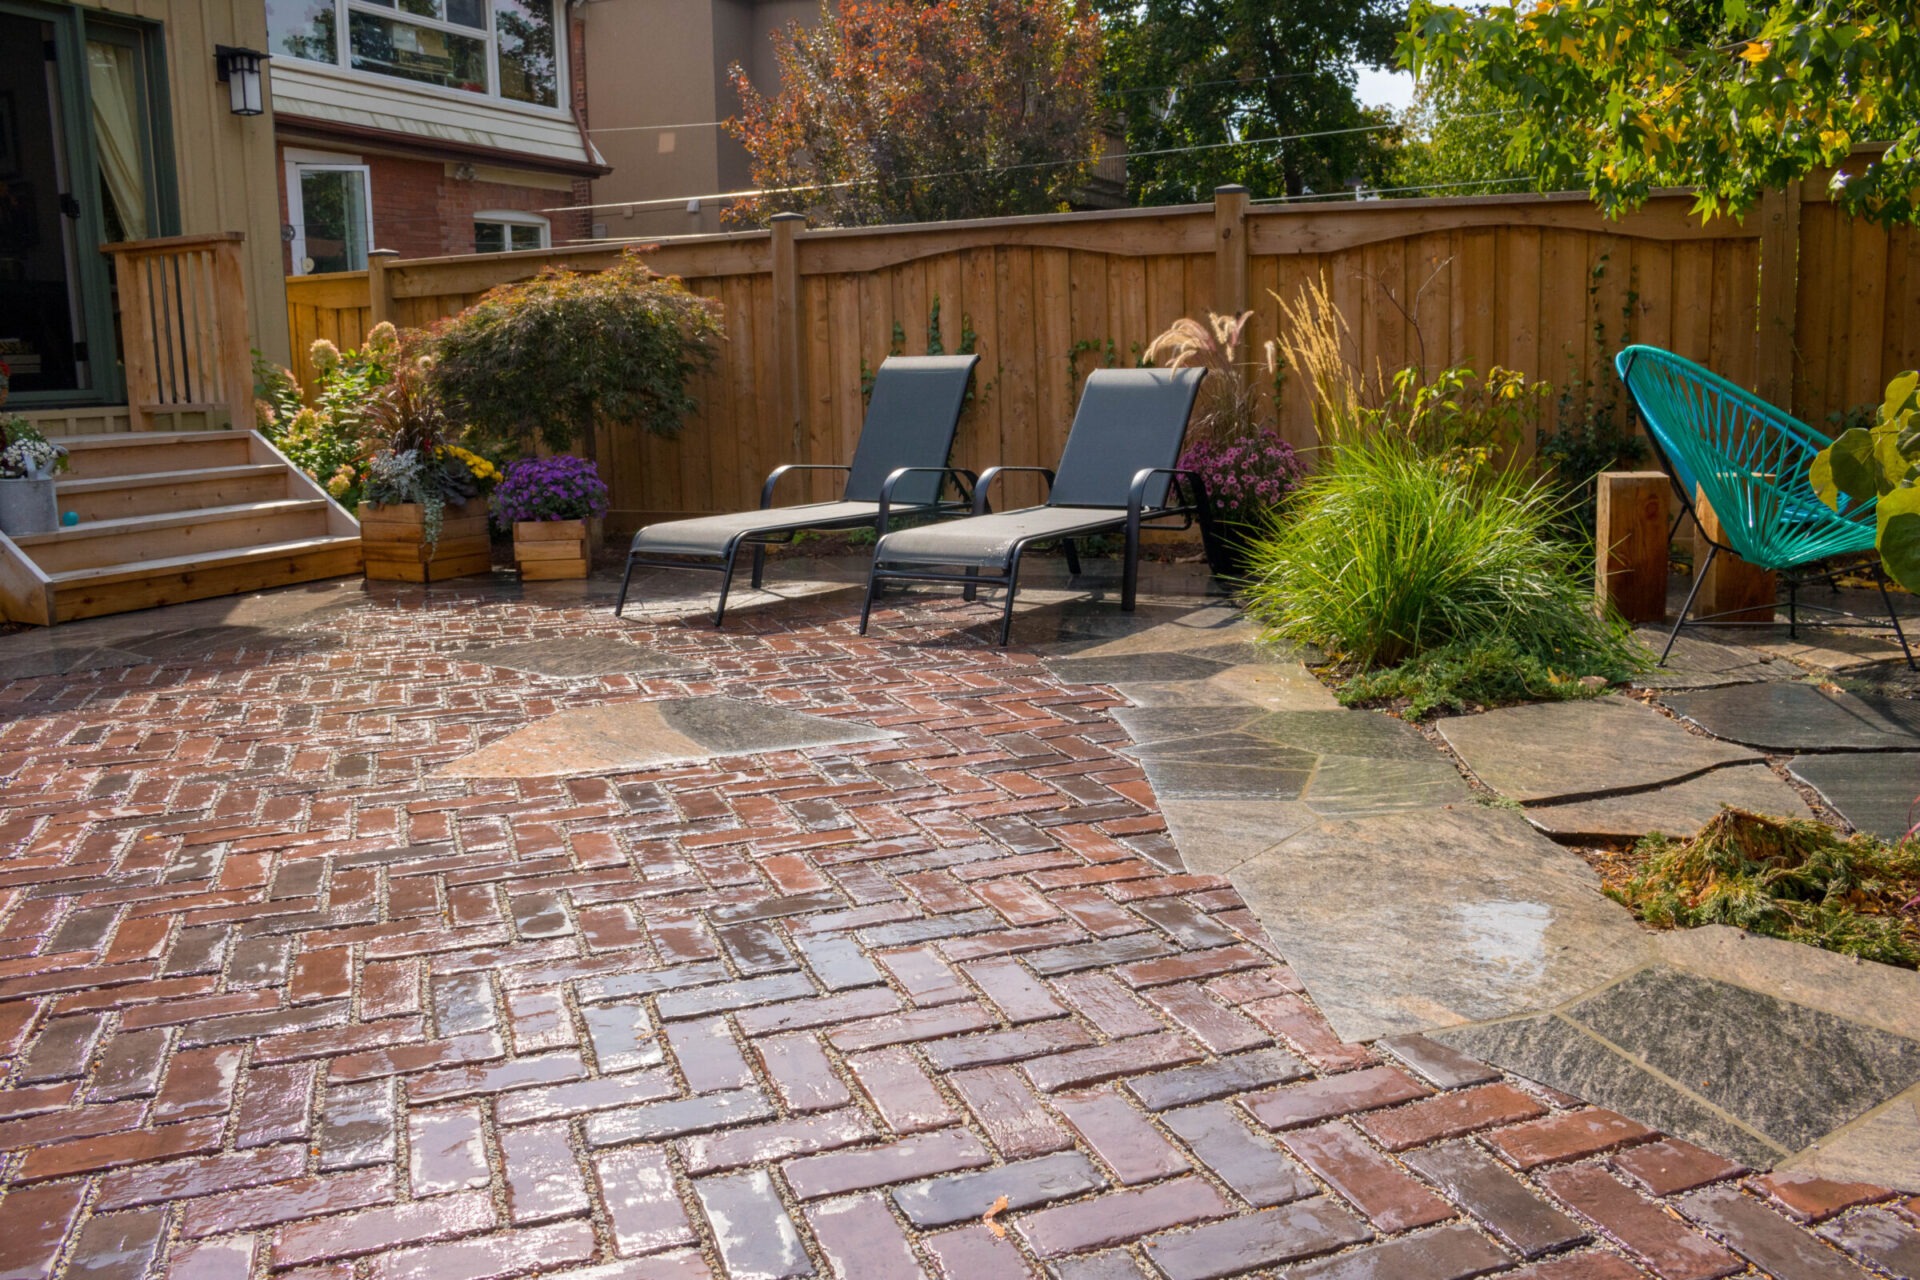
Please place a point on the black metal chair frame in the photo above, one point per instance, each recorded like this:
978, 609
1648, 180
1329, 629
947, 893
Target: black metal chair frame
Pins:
760, 539
1194, 510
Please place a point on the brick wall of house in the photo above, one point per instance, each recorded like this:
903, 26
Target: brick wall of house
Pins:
424, 212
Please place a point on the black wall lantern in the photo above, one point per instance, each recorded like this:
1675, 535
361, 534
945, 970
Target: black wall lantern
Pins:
240, 71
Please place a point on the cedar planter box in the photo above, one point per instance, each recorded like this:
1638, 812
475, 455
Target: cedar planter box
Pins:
393, 539
552, 548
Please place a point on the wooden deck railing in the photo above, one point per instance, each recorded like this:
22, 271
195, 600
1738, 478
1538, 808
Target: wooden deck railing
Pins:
183, 330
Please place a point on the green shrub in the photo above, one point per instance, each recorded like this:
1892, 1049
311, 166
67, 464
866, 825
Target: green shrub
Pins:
1467, 674
547, 357
330, 435
1786, 879
1386, 554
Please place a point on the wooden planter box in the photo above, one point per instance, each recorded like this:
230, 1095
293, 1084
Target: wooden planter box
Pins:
393, 540
552, 548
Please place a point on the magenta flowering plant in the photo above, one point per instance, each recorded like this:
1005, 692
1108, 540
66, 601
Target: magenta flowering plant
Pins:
562, 487
1246, 476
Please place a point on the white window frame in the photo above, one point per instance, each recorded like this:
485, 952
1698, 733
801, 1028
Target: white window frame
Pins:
343, 58
518, 218
299, 161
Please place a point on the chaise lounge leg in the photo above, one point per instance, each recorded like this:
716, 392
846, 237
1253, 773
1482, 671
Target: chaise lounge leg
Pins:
1130, 568
866, 606
1013, 585
1699, 577
1073, 556
759, 565
726, 584
626, 580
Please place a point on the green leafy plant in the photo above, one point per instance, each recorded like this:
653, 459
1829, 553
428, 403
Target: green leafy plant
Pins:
548, 357
1387, 553
417, 461
1787, 879
1733, 99
1882, 464
330, 433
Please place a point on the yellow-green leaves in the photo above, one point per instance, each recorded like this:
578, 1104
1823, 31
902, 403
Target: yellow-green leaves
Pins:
1884, 463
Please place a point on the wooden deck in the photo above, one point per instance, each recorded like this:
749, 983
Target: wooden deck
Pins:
173, 516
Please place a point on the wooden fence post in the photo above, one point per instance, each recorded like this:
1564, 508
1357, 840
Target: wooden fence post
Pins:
1733, 588
1776, 357
1230, 249
379, 290
789, 391
1630, 543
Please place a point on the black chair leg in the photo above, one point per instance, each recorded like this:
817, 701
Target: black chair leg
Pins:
726, 585
626, 580
1700, 576
971, 592
873, 589
759, 565
1886, 597
1013, 585
1073, 556
1130, 567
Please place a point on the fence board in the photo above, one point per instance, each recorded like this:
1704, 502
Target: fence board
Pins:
1049, 299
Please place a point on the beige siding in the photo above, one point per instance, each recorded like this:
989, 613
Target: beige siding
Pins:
227, 178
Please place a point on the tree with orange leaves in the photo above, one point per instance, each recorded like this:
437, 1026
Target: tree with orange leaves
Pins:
904, 111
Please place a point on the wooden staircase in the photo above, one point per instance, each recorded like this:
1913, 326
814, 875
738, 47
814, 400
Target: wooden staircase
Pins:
172, 516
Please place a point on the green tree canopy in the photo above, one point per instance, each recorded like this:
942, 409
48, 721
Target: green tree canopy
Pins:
902, 111
1455, 138
1200, 73
1734, 97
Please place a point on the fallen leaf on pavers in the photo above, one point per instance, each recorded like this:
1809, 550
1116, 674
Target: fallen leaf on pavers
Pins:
987, 1218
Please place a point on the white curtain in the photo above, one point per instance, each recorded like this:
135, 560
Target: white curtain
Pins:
113, 84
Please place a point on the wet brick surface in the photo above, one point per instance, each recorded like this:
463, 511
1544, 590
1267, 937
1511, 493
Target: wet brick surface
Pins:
275, 999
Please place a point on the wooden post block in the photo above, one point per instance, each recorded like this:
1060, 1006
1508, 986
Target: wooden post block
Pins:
1630, 544
1733, 588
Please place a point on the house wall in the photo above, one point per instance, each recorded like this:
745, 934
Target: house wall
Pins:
653, 63
225, 162
424, 208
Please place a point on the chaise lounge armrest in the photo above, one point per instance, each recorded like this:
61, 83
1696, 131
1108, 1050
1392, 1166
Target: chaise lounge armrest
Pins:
964, 480
773, 477
991, 474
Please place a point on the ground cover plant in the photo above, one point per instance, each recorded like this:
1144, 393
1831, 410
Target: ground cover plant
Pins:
1797, 880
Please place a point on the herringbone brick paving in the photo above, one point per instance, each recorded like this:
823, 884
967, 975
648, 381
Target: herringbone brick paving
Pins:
274, 999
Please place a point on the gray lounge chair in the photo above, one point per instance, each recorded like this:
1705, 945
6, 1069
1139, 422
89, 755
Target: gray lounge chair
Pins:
899, 468
1117, 472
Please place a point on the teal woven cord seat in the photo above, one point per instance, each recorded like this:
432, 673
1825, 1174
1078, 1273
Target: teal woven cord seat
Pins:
1749, 460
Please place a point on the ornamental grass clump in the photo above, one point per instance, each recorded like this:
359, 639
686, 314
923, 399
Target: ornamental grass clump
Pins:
562, 487
1797, 880
1387, 554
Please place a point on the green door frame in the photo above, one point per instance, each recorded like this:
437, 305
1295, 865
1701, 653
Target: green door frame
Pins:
72, 27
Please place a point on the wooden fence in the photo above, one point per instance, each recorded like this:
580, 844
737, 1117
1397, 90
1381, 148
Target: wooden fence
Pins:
1811, 309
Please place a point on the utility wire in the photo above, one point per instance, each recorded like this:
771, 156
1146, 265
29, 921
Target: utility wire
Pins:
753, 193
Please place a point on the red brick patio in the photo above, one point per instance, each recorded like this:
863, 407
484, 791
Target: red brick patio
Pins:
275, 1000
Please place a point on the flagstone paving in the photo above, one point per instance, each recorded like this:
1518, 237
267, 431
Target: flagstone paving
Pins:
280, 996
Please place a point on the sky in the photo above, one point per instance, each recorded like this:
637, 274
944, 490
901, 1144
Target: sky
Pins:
1383, 88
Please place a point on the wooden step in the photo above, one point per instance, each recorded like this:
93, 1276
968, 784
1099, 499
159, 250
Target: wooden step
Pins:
125, 453
147, 584
206, 531
158, 492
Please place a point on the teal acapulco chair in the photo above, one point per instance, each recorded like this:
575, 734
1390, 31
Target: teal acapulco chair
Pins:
1749, 460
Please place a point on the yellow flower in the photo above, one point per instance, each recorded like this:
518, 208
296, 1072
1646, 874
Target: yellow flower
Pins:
324, 354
